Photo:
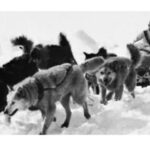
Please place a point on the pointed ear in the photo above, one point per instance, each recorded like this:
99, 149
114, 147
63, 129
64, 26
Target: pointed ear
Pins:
102, 52
86, 54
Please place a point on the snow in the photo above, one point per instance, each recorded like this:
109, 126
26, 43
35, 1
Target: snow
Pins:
128, 116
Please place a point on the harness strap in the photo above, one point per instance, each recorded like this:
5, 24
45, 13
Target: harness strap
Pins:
40, 89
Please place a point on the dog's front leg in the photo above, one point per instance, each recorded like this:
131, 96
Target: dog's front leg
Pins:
48, 119
103, 96
118, 93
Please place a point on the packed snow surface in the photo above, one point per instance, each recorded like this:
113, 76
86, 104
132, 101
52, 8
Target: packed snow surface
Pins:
128, 116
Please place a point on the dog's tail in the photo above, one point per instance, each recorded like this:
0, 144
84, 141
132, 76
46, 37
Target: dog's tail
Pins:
135, 55
24, 42
91, 65
65, 43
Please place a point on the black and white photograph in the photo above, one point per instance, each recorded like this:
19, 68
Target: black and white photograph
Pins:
74, 73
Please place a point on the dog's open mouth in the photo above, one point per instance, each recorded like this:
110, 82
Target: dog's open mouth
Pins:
107, 82
14, 112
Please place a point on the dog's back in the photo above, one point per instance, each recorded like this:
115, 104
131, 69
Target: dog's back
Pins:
53, 76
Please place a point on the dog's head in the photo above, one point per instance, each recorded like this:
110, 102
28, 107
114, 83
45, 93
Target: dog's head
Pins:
40, 56
89, 56
101, 52
17, 101
36, 53
105, 76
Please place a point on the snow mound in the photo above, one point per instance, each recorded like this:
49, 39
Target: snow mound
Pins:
128, 116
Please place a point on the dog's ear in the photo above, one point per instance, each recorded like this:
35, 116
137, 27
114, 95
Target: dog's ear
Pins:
86, 54
102, 52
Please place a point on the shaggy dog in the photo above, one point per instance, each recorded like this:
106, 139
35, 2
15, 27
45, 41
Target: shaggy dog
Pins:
117, 71
52, 55
17, 69
92, 82
46, 87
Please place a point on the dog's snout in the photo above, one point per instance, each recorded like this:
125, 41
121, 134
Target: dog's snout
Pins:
105, 80
6, 111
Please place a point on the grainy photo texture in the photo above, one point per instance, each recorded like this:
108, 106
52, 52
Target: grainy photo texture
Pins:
74, 73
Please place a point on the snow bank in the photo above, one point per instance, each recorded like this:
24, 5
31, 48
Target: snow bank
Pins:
128, 116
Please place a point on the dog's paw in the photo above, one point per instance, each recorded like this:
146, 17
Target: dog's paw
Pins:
104, 102
41, 133
108, 98
65, 125
87, 116
117, 99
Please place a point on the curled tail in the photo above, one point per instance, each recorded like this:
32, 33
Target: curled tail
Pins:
135, 55
65, 43
23, 41
91, 65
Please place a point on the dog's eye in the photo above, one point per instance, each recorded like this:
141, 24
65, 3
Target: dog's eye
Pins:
12, 103
102, 73
20, 94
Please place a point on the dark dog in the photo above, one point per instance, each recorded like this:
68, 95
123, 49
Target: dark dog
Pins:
101, 52
52, 55
116, 72
17, 69
91, 78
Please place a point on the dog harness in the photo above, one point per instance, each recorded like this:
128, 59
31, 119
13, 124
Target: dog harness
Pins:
41, 89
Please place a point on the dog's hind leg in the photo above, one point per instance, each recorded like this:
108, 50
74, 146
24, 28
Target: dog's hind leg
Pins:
86, 111
65, 103
118, 93
49, 118
131, 82
81, 100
